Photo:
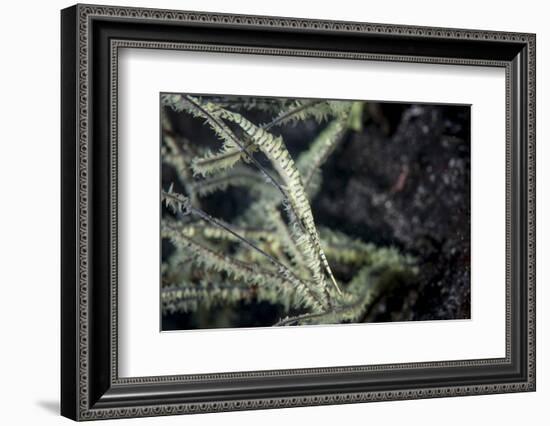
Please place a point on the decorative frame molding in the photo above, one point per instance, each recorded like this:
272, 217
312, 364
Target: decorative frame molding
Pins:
91, 37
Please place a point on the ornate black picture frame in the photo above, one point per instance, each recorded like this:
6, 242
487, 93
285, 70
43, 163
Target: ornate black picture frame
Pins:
90, 38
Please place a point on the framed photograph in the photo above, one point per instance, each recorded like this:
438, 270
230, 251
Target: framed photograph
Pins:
263, 212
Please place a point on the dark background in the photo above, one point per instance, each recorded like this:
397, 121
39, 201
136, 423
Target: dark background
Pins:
404, 181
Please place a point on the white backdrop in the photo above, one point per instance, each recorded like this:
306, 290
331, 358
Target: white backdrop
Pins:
29, 229
141, 344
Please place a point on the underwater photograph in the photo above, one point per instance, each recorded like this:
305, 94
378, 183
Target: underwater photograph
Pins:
294, 211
